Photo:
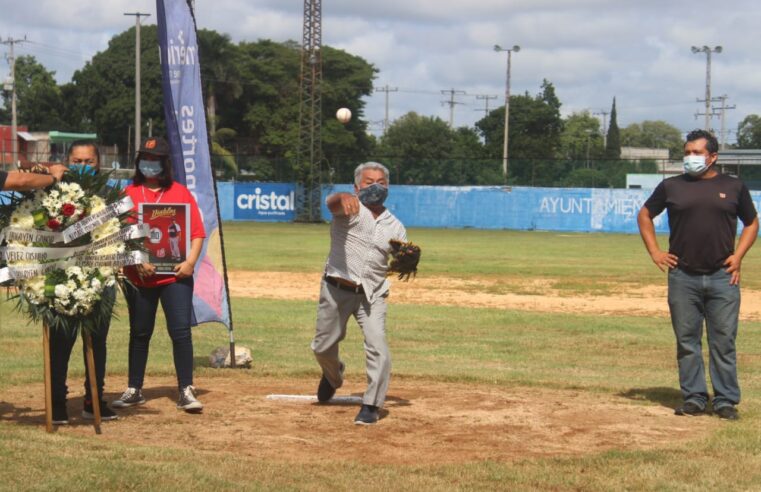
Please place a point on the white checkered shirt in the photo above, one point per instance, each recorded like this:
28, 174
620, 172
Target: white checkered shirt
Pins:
359, 249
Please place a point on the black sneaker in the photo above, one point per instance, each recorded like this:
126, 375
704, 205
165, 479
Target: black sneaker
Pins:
727, 412
325, 390
689, 408
105, 413
188, 401
60, 415
368, 415
130, 397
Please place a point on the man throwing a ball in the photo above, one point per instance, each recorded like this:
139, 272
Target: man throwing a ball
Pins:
355, 284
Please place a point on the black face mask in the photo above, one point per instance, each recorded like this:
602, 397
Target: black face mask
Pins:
375, 194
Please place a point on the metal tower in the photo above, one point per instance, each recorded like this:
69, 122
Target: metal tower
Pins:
310, 111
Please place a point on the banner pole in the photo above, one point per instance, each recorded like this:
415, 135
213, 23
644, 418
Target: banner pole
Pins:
94, 396
230, 330
48, 384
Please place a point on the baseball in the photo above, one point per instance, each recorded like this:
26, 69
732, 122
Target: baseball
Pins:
343, 115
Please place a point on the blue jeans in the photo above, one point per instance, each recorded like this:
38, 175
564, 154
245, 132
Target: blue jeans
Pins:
177, 301
694, 298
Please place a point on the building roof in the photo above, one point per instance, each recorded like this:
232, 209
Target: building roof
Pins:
740, 157
65, 137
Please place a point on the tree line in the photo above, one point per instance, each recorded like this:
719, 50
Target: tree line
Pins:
252, 99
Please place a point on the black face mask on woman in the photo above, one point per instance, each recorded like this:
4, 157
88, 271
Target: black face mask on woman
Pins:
375, 194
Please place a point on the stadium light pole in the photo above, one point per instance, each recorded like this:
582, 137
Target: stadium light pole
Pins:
707, 50
137, 16
509, 51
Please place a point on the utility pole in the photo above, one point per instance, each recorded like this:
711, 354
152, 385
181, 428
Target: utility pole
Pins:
509, 51
14, 127
137, 16
604, 115
386, 89
707, 50
722, 114
485, 99
452, 103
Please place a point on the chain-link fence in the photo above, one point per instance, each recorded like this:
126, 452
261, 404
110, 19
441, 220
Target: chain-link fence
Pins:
406, 170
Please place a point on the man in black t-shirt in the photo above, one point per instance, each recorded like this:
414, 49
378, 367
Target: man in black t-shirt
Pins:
704, 270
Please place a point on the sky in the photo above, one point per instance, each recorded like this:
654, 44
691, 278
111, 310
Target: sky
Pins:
591, 50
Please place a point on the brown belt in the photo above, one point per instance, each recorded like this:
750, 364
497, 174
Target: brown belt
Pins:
337, 284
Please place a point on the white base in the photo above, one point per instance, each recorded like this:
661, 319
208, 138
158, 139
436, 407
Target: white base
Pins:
311, 398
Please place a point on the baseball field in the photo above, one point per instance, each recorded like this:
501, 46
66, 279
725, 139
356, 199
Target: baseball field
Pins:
521, 360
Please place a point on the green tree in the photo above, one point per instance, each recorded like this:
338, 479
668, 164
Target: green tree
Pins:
581, 139
251, 88
425, 150
39, 103
534, 140
654, 134
417, 149
104, 89
220, 72
749, 132
267, 113
613, 139
347, 81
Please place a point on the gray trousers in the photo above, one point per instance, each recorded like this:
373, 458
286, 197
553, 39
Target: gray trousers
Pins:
333, 312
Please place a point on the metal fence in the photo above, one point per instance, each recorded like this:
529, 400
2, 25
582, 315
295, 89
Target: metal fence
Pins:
562, 173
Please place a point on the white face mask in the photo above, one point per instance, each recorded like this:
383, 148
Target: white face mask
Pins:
695, 165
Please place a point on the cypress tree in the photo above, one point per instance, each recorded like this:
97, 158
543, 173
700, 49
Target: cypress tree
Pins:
613, 140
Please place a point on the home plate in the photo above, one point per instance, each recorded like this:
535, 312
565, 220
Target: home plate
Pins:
312, 398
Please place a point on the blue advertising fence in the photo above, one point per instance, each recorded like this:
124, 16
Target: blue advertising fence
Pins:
480, 207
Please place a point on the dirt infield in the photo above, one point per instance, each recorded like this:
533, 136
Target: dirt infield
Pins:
532, 295
422, 423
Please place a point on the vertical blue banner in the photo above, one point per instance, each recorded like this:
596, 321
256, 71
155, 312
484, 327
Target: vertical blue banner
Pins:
187, 136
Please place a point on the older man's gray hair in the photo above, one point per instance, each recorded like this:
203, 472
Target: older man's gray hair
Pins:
369, 165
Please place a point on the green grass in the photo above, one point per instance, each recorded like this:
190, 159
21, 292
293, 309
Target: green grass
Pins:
630, 356
581, 262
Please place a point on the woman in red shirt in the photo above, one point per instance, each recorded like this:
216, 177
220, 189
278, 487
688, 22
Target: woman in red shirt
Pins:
153, 184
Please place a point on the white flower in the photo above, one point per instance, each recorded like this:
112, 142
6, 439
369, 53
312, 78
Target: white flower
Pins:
62, 292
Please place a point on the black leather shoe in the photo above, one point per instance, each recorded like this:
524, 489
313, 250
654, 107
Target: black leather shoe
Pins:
690, 408
325, 391
727, 412
368, 415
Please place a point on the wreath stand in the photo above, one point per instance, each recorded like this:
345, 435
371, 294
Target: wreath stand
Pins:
90, 362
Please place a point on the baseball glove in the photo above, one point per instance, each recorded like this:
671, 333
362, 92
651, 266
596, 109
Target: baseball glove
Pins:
404, 259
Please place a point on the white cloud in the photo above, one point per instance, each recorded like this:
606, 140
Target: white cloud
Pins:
592, 50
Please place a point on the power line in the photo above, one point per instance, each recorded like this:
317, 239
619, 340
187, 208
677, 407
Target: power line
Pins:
14, 127
34, 45
452, 103
386, 89
721, 113
485, 98
604, 115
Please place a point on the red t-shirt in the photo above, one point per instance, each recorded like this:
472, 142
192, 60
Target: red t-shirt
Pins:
176, 193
